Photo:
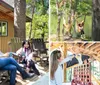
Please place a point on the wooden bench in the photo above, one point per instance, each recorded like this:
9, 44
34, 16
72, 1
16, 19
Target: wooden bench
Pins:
40, 46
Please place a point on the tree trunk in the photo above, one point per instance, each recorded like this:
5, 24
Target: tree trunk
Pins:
58, 28
59, 20
31, 23
20, 19
96, 20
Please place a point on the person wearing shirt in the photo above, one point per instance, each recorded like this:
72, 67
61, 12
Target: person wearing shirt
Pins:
56, 71
27, 54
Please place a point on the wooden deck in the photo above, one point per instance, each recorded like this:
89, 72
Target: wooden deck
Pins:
43, 71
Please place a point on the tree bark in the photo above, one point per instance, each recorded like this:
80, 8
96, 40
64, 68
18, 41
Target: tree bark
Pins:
59, 20
20, 19
58, 28
31, 23
96, 20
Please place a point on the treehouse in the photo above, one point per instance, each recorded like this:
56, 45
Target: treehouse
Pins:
7, 23
84, 68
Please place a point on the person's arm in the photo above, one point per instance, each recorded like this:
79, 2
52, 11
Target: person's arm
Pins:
66, 59
19, 51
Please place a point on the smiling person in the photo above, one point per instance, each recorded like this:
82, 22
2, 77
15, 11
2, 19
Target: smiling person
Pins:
27, 55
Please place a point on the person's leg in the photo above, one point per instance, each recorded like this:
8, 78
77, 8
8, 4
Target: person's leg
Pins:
12, 70
10, 60
24, 74
4, 62
32, 65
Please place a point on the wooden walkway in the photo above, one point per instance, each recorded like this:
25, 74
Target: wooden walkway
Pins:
43, 71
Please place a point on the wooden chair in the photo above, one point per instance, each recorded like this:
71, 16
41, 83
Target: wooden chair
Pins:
39, 46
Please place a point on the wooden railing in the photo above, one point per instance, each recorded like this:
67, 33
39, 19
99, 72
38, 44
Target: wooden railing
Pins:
15, 44
8, 44
4, 44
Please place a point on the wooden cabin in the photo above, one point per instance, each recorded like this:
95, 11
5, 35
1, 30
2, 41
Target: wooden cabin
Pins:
7, 23
84, 72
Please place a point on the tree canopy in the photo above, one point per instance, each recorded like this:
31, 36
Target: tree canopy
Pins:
40, 18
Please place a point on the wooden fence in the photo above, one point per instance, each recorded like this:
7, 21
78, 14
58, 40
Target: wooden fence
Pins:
4, 44
9, 44
15, 44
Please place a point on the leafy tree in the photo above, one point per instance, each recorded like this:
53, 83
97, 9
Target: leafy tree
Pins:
39, 24
80, 9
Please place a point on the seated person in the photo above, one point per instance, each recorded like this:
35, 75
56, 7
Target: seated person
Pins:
27, 55
10, 64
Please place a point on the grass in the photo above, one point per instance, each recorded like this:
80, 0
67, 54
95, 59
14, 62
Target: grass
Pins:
87, 27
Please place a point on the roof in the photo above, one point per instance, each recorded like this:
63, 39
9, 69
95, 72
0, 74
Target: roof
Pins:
91, 49
7, 7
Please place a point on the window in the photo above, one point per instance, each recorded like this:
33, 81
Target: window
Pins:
3, 28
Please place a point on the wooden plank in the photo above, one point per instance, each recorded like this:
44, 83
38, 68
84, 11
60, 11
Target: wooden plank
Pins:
97, 49
95, 46
5, 16
88, 52
64, 66
54, 45
82, 45
73, 66
89, 45
4, 44
15, 44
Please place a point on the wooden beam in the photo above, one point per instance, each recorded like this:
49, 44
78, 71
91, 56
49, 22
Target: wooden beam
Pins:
82, 45
9, 12
5, 16
95, 46
88, 52
96, 57
89, 45
54, 45
97, 49
72, 66
98, 52
64, 66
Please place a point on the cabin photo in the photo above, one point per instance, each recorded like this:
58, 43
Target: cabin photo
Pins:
22, 28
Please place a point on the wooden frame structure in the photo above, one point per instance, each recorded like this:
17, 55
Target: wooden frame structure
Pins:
91, 49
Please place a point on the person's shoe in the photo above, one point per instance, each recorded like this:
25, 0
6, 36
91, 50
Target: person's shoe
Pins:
25, 75
28, 76
30, 71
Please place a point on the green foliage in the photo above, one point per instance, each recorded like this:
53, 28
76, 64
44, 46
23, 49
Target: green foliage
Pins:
40, 25
84, 7
81, 8
40, 18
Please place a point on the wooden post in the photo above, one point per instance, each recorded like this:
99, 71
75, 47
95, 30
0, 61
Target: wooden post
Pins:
64, 66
